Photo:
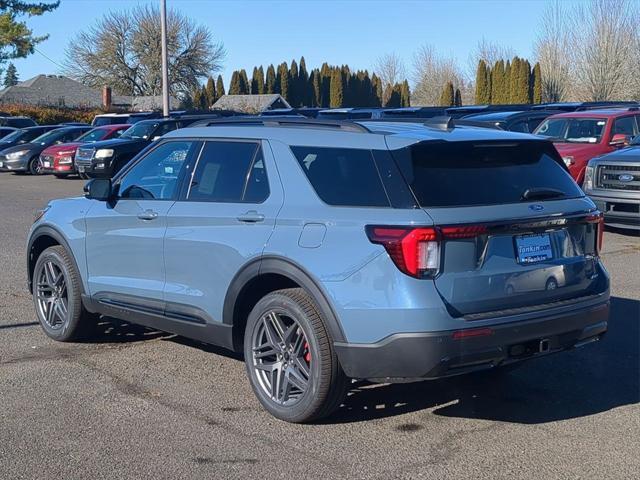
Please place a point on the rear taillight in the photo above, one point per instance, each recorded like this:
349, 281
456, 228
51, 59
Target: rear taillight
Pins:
598, 220
415, 251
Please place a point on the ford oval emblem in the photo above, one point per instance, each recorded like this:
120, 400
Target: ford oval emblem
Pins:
625, 177
536, 207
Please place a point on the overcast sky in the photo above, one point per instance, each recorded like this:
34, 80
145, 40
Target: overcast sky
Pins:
339, 32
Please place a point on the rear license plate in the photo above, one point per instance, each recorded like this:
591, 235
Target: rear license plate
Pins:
80, 169
47, 164
533, 248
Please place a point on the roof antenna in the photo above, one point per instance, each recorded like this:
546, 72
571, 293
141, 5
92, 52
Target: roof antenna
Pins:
441, 122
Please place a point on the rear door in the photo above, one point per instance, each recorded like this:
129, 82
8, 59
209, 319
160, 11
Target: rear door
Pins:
517, 230
222, 221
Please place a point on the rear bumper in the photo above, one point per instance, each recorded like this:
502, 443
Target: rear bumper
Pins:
428, 355
619, 212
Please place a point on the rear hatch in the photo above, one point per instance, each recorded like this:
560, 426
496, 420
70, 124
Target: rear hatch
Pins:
533, 235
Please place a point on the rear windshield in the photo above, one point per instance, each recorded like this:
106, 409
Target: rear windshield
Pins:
446, 174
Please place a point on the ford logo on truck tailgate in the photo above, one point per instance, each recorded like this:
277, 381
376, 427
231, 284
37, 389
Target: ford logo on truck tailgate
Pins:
536, 207
625, 177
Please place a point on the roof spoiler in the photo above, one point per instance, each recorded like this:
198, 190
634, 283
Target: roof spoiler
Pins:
441, 123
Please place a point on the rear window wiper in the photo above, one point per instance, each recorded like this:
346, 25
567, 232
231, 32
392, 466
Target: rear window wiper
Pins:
541, 193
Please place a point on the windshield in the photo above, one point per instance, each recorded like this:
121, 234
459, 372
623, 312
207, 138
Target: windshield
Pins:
573, 130
140, 130
93, 135
635, 141
49, 137
13, 136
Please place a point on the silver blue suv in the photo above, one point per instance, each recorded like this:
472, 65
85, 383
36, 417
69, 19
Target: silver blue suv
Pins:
327, 251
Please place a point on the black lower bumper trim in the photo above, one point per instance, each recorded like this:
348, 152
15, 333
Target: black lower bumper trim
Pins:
437, 354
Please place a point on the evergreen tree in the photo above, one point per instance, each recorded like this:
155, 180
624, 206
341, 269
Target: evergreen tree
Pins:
260, 80
315, 85
210, 90
506, 83
305, 86
254, 81
283, 77
536, 89
376, 87
197, 99
325, 85
497, 82
483, 84
524, 83
204, 99
245, 86
447, 97
336, 90
294, 94
11, 77
270, 86
219, 87
234, 85
405, 95
457, 98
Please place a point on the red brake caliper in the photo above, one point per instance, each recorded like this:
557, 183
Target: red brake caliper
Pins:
307, 355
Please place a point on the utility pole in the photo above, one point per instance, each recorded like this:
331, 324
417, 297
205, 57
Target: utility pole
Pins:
165, 66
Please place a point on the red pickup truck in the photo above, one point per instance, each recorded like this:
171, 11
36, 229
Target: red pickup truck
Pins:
581, 136
58, 159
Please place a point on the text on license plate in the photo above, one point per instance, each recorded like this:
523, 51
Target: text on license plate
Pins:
47, 164
533, 248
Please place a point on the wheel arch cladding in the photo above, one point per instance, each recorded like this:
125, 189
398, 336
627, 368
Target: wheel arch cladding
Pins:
41, 239
263, 276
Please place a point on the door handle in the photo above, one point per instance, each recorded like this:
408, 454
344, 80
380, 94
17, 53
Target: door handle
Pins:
251, 217
148, 215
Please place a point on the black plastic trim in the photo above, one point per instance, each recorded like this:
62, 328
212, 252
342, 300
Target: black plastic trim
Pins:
428, 355
287, 268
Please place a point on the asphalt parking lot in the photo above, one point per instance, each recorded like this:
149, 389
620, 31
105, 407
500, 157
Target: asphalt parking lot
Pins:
142, 404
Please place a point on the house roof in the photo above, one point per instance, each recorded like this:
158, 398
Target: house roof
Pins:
58, 90
251, 103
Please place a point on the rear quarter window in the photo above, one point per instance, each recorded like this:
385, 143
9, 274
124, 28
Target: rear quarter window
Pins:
343, 176
443, 174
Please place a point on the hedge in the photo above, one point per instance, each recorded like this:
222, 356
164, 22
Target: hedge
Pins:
51, 115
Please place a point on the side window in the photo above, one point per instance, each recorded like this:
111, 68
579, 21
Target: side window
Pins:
520, 126
165, 128
156, 176
624, 126
343, 176
232, 172
534, 122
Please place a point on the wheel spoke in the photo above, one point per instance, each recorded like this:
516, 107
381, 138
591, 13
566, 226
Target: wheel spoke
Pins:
276, 383
50, 313
302, 366
297, 380
263, 351
61, 310
268, 367
50, 274
273, 337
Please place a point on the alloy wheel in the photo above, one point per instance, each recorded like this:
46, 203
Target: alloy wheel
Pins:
281, 358
51, 295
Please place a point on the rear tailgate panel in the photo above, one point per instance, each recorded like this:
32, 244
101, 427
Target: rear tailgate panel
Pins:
483, 274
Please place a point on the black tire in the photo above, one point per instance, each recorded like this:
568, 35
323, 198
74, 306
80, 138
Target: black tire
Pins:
57, 175
551, 284
79, 323
327, 384
34, 166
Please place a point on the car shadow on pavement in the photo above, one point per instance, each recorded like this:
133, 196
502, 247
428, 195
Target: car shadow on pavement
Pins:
585, 381
112, 330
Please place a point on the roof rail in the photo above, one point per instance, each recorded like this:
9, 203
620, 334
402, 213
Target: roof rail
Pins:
285, 121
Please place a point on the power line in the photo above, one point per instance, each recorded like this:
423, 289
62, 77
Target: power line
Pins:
49, 58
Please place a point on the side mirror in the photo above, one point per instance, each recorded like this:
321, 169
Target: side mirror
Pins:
99, 189
620, 140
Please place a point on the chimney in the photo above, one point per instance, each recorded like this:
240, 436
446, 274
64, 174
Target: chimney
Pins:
106, 98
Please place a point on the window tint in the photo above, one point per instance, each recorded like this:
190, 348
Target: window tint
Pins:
165, 128
156, 176
465, 173
624, 126
342, 176
520, 126
230, 172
